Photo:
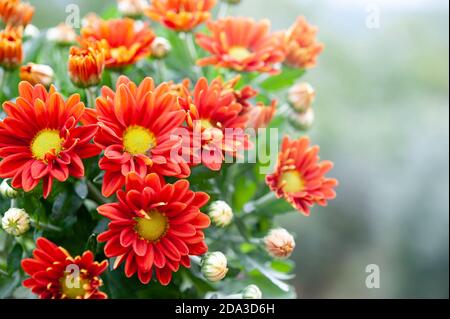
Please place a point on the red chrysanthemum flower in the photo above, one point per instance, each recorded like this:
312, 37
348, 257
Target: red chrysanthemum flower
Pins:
124, 40
40, 138
180, 15
54, 274
216, 122
301, 45
16, 13
299, 176
154, 226
136, 132
241, 44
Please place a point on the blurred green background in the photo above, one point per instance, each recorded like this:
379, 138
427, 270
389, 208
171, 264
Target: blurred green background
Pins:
382, 116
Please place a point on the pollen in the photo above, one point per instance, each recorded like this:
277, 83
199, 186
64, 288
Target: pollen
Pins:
138, 140
239, 53
46, 141
292, 182
153, 226
75, 287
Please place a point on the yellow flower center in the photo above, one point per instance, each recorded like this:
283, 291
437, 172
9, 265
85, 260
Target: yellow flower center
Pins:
73, 287
138, 140
292, 182
206, 124
45, 142
239, 53
153, 226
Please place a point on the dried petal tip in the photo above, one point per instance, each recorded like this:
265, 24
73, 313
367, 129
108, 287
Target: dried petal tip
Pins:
214, 266
279, 243
160, 48
7, 191
301, 97
16, 221
221, 213
252, 292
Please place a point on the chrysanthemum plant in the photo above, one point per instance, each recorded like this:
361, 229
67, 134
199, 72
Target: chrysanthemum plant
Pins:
150, 161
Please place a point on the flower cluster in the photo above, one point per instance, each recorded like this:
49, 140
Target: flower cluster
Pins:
160, 146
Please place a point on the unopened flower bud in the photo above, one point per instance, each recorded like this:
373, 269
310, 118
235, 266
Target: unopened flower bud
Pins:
37, 74
86, 65
62, 34
303, 121
221, 213
31, 32
301, 97
132, 8
11, 48
7, 191
279, 243
252, 292
214, 266
16, 221
160, 48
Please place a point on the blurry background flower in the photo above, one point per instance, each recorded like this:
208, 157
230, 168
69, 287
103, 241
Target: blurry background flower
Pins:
132, 8
16, 12
180, 15
63, 34
37, 74
11, 49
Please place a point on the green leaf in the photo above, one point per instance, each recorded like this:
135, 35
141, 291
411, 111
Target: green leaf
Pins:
282, 81
14, 258
81, 189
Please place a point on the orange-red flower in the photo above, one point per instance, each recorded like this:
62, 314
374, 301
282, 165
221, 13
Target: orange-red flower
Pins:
37, 74
125, 41
299, 176
216, 122
136, 126
180, 15
241, 44
55, 274
86, 65
40, 138
16, 13
301, 45
11, 49
154, 226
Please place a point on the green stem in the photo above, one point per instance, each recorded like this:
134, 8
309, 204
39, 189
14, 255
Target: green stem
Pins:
3, 79
13, 203
91, 96
161, 69
223, 10
4, 273
96, 194
45, 226
188, 38
251, 207
196, 260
